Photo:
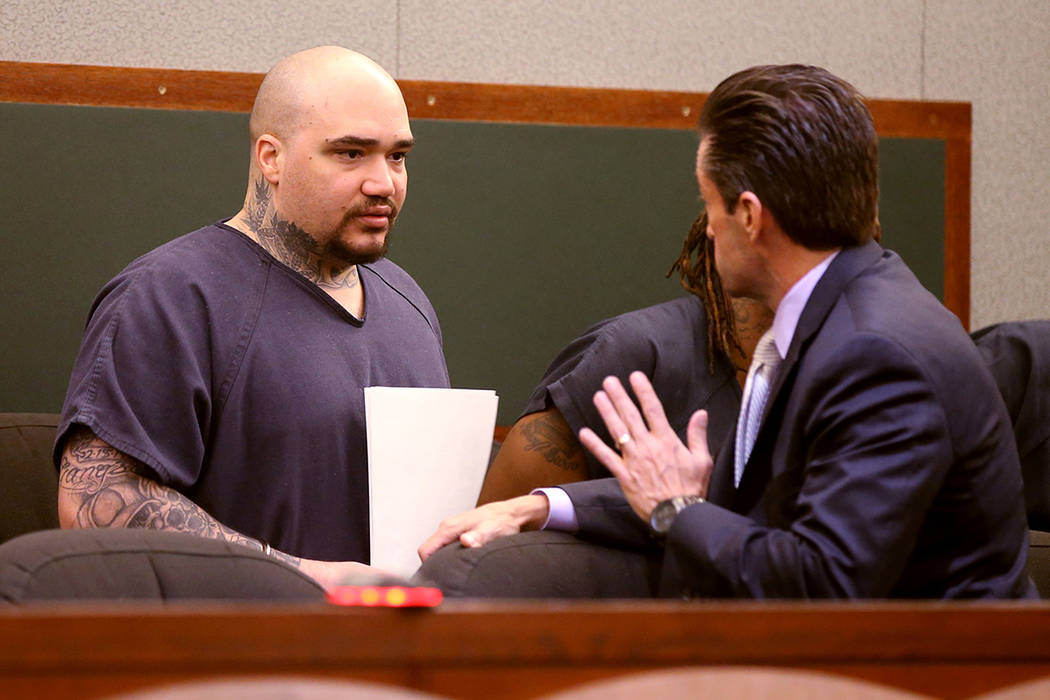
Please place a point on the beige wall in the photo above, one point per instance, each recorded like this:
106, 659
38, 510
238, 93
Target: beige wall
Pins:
993, 53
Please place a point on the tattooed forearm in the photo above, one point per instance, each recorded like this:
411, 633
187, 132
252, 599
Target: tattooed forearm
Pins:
99, 486
540, 450
552, 437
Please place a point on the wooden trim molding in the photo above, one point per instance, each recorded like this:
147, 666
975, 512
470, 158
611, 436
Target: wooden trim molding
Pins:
519, 649
109, 86
163, 88
166, 88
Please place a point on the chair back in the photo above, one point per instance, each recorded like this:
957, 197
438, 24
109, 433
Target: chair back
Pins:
28, 479
140, 564
1039, 561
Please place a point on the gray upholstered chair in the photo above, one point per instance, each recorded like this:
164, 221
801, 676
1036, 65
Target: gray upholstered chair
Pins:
119, 564
1039, 561
40, 562
28, 481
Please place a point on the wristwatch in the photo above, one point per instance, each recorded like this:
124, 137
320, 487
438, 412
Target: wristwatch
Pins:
666, 511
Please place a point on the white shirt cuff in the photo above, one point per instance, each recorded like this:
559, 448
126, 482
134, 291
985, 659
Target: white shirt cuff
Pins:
561, 515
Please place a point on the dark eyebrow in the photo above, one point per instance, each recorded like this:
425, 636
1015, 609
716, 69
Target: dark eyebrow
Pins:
351, 140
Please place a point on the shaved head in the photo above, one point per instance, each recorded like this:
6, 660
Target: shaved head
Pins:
329, 137
300, 83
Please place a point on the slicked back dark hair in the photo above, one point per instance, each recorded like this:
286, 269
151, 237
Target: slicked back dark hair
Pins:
804, 142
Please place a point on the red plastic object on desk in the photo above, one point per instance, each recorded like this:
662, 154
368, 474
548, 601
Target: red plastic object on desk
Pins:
385, 596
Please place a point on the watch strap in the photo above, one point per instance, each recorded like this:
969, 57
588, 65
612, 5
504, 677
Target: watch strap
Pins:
665, 512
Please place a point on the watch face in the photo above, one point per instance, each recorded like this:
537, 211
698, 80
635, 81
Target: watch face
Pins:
662, 517
665, 512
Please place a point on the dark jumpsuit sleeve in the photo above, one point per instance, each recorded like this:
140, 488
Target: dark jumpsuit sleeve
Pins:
667, 342
141, 380
1018, 355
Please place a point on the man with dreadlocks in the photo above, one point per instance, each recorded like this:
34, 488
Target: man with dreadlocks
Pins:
696, 349
688, 346
873, 456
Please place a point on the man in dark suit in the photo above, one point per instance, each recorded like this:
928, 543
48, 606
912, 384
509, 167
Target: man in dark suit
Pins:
873, 456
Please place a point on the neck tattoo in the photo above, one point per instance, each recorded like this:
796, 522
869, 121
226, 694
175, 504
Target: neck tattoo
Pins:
293, 246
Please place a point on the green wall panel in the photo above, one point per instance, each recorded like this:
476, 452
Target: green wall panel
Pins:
522, 235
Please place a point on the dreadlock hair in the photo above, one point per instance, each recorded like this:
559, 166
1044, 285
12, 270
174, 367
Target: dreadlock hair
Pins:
698, 276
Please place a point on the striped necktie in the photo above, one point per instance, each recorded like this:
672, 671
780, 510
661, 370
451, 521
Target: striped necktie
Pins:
756, 390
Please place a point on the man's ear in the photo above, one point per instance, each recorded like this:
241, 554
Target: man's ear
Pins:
749, 212
268, 152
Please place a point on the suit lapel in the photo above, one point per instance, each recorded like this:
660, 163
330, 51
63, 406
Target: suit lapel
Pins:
849, 263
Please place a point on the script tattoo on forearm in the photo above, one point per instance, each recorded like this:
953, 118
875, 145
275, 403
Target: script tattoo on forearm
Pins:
111, 489
553, 439
290, 244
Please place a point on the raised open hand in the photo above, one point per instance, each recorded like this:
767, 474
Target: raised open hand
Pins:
652, 464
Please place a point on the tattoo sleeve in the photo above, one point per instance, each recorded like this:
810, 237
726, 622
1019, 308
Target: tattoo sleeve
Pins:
540, 450
551, 437
100, 486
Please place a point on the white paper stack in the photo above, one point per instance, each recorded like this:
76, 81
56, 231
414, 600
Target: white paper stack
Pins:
428, 450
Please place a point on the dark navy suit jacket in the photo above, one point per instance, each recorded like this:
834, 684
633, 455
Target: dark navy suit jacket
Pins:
885, 465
